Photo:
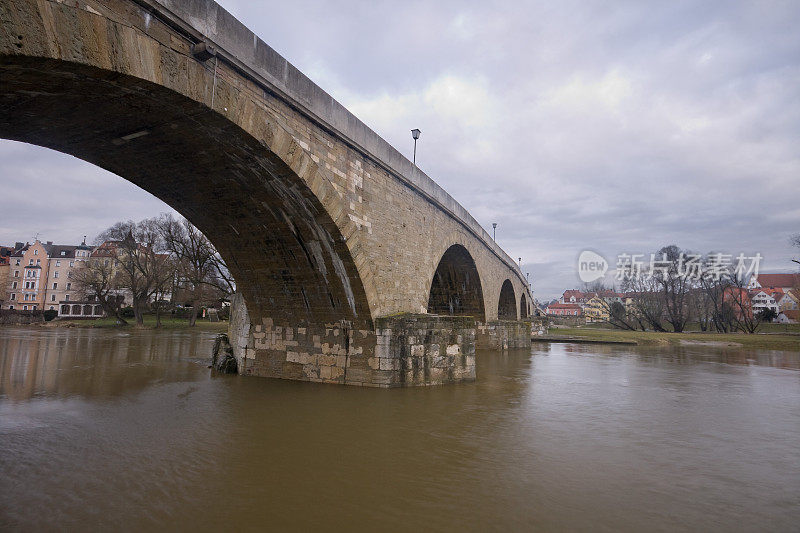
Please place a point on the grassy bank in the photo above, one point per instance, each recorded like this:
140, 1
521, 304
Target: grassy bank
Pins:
167, 322
770, 341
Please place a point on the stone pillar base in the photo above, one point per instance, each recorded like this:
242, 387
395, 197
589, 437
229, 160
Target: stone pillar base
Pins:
426, 349
503, 334
402, 351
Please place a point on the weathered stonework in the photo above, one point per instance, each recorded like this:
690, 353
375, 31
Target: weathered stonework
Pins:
324, 226
426, 349
503, 334
404, 350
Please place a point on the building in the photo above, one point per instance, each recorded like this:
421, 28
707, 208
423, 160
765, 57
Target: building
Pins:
790, 316
790, 300
560, 309
596, 309
5, 266
41, 276
573, 296
27, 277
786, 282
61, 285
761, 300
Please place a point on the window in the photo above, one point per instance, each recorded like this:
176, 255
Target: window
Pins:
35, 251
72, 263
66, 297
24, 307
11, 307
53, 298
52, 308
56, 275
17, 261
26, 297
38, 261
58, 262
16, 273
14, 285
69, 286
13, 296
55, 286
30, 261
63, 253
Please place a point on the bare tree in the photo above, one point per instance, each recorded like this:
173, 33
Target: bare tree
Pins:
200, 268
646, 309
135, 246
96, 279
736, 296
673, 285
701, 308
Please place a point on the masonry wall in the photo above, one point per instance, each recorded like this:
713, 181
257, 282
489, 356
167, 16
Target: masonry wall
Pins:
404, 350
426, 349
503, 334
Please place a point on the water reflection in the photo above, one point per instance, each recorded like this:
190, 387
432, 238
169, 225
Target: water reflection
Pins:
131, 432
688, 355
95, 362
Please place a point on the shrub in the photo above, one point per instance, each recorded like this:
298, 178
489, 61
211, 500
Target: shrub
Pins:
50, 314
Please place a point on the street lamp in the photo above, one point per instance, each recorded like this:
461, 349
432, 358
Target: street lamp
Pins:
415, 133
494, 231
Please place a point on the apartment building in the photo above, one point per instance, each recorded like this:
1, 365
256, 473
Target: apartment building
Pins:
41, 275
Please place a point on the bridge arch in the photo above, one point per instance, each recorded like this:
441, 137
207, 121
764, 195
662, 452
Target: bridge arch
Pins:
523, 306
507, 303
456, 285
144, 112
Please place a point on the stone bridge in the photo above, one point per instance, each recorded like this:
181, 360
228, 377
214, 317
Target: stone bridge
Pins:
354, 265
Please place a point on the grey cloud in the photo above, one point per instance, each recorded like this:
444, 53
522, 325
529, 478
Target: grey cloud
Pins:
618, 126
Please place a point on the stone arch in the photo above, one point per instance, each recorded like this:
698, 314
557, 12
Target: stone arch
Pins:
523, 306
115, 97
507, 303
456, 286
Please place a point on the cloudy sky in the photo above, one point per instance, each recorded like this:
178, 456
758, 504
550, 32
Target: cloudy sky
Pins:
574, 125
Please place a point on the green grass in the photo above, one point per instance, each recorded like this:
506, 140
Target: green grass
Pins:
167, 322
772, 341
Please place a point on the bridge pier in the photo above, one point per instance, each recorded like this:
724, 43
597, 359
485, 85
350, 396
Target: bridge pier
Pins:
503, 334
402, 351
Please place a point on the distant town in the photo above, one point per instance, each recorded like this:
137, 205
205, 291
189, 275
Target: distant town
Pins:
155, 265
768, 297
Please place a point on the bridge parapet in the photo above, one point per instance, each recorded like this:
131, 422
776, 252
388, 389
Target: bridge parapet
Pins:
207, 21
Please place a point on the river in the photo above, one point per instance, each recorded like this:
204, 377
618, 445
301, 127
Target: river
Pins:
130, 431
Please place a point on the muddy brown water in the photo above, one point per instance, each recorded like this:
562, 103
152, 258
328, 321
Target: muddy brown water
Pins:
129, 431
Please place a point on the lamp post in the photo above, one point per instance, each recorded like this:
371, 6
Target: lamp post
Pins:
494, 231
415, 133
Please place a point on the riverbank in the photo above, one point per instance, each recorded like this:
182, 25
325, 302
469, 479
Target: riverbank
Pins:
167, 323
762, 341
